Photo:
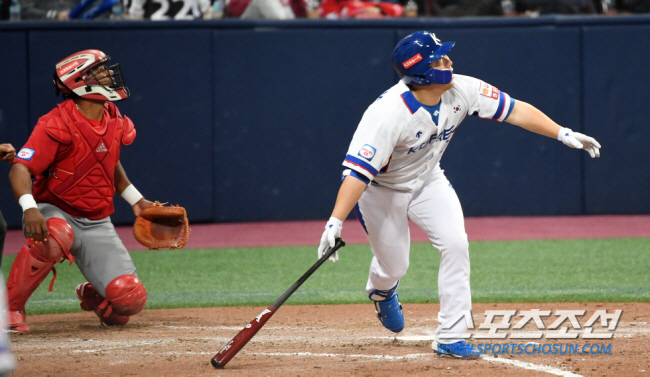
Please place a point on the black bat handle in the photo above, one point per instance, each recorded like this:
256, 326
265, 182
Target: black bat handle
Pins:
339, 244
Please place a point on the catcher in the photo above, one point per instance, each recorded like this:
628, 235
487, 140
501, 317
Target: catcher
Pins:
73, 154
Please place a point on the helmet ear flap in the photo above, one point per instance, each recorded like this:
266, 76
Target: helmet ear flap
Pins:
60, 88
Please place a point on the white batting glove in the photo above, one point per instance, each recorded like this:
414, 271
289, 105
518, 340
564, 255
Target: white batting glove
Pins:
580, 141
332, 232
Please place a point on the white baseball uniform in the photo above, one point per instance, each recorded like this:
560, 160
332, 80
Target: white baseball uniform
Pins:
397, 149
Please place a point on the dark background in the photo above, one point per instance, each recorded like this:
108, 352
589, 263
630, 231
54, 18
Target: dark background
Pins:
250, 121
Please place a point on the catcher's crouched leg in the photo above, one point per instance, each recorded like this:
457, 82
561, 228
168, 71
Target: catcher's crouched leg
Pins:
32, 264
125, 296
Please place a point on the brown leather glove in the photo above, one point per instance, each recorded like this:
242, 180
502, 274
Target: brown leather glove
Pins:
162, 227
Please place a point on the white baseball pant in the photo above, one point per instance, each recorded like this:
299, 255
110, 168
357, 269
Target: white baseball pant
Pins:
435, 208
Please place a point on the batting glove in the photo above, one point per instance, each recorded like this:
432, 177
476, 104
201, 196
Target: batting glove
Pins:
580, 141
332, 232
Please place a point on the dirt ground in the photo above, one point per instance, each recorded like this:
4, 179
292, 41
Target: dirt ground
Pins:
332, 340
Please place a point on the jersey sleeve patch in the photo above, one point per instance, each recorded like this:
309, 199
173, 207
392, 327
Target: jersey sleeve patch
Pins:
488, 90
25, 154
367, 152
360, 165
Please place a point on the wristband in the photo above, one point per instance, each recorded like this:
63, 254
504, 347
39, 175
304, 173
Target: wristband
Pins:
27, 201
131, 195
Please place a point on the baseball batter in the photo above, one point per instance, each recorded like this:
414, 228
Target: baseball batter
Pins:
393, 175
73, 153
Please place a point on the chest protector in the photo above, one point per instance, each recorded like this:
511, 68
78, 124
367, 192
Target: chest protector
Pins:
83, 176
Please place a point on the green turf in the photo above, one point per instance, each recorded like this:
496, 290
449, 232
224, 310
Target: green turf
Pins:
521, 271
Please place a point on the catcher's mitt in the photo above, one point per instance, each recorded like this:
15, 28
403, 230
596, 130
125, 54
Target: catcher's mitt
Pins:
161, 227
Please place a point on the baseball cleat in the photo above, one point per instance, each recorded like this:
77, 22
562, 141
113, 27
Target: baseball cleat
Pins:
17, 322
390, 313
461, 349
91, 301
88, 296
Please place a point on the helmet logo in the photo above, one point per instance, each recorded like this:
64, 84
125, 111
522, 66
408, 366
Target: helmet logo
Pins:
412, 61
435, 39
69, 67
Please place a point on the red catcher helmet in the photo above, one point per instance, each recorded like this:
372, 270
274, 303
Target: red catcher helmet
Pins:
74, 76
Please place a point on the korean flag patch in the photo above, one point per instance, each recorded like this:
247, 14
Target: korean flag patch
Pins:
25, 154
367, 152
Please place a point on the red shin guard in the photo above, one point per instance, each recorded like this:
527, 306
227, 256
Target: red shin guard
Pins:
32, 264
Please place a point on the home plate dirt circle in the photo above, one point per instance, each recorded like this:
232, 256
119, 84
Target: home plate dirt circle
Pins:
321, 340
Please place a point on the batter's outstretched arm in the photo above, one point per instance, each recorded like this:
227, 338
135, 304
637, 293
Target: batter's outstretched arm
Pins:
530, 118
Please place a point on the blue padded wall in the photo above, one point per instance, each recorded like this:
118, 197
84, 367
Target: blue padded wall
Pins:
286, 105
14, 117
616, 80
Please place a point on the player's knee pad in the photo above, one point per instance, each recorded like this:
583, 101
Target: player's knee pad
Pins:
126, 294
58, 244
60, 240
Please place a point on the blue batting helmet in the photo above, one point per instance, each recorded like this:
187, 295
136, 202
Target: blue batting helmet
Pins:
414, 53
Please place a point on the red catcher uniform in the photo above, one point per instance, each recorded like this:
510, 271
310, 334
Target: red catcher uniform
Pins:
74, 160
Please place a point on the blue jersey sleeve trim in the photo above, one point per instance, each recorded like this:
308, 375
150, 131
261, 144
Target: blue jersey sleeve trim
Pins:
410, 101
502, 102
512, 106
361, 164
359, 176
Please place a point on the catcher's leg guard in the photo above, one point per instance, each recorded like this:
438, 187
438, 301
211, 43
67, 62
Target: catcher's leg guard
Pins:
33, 263
91, 300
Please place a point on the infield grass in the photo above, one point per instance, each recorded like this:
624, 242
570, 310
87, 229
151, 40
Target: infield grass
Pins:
515, 271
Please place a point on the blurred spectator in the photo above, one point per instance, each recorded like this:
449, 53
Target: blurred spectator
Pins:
260, 9
161, 10
411, 9
61, 9
336, 9
46, 9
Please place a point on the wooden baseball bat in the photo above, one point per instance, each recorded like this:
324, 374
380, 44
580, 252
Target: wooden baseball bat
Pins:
239, 341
